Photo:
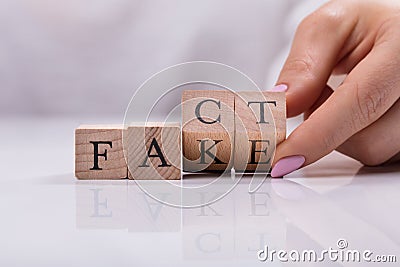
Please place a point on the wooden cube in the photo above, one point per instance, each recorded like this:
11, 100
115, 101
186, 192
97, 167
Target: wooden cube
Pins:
99, 152
207, 130
260, 125
154, 151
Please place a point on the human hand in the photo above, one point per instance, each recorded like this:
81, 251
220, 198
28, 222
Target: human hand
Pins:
361, 118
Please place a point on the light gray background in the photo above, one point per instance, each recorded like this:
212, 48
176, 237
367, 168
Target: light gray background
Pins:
88, 57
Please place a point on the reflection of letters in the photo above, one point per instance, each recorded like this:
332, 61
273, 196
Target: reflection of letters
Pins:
261, 242
157, 205
97, 204
204, 241
203, 208
258, 206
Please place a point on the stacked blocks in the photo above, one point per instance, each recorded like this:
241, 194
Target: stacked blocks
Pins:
208, 130
220, 130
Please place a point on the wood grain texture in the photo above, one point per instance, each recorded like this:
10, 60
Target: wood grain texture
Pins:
208, 130
110, 162
260, 125
154, 151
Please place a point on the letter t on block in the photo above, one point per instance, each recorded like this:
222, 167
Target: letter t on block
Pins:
207, 130
260, 125
154, 151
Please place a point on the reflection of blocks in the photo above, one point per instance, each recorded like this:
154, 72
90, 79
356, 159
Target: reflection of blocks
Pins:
268, 226
208, 130
149, 213
260, 124
154, 151
99, 153
208, 231
101, 204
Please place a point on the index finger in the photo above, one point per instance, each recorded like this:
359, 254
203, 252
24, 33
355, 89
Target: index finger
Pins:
315, 52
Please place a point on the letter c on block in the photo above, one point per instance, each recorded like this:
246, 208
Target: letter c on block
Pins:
198, 107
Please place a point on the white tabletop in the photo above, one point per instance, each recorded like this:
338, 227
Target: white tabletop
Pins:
49, 218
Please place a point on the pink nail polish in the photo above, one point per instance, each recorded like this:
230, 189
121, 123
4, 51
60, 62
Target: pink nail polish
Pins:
287, 165
279, 88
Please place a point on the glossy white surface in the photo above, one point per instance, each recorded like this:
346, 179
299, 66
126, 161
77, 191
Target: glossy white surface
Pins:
48, 218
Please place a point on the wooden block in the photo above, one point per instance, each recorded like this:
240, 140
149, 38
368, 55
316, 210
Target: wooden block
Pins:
208, 130
154, 151
260, 124
99, 152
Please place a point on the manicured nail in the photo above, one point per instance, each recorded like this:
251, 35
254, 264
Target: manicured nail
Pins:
279, 88
287, 165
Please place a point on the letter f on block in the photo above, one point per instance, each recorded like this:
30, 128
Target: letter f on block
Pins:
96, 154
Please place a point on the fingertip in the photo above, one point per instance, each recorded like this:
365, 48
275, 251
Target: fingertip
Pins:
279, 88
287, 165
298, 101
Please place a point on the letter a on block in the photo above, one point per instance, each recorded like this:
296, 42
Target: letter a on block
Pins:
153, 151
99, 153
207, 130
260, 125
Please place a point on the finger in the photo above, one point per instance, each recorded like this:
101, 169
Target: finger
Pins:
374, 145
366, 94
315, 50
326, 93
377, 143
395, 159
349, 61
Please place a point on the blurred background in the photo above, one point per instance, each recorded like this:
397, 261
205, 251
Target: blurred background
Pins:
84, 58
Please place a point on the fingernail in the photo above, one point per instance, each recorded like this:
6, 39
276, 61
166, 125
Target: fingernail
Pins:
279, 88
287, 165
